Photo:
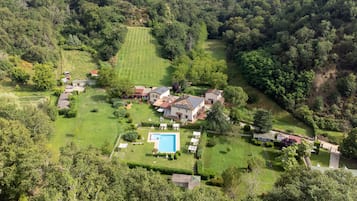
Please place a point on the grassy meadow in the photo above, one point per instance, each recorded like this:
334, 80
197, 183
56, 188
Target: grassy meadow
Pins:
139, 59
78, 63
216, 159
88, 128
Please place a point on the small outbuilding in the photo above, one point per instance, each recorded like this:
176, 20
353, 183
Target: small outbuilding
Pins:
186, 181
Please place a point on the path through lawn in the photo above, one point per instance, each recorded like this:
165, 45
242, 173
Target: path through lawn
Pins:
139, 59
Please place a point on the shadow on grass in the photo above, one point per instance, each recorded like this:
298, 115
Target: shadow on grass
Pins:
270, 155
99, 98
166, 80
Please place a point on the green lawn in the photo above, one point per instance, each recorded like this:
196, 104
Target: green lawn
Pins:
216, 159
78, 63
283, 120
139, 59
88, 128
216, 48
143, 153
323, 159
144, 112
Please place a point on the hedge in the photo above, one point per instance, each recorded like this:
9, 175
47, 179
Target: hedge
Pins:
157, 124
163, 170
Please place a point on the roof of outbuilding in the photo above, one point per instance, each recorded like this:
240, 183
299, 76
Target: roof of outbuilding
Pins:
160, 90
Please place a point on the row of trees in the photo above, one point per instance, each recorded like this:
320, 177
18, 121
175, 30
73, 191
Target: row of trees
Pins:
201, 69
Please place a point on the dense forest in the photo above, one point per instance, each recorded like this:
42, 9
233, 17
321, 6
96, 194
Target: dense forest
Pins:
300, 53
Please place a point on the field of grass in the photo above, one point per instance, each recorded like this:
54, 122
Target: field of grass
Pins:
144, 112
323, 159
139, 59
143, 153
283, 120
216, 159
216, 48
88, 128
78, 63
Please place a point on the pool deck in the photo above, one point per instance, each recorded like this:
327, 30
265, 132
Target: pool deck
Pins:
156, 142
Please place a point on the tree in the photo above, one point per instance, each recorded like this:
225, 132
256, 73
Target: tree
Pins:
263, 120
255, 163
348, 146
18, 75
235, 95
347, 85
302, 184
231, 179
43, 78
106, 76
304, 149
287, 157
217, 120
120, 88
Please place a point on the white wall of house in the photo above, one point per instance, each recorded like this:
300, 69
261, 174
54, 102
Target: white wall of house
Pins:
212, 97
155, 96
190, 115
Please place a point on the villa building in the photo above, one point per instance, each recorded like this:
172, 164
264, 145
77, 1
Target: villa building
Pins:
158, 93
186, 108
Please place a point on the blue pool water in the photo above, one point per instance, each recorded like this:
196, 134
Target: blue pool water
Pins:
167, 143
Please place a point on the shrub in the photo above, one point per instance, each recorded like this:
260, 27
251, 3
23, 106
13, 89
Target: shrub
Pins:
211, 142
163, 170
178, 153
199, 153
175, 156
229, 149
246, 128
63, 111
256, 142
94, 110
216, 181
269, 144
71, 113
130, 120
130, 136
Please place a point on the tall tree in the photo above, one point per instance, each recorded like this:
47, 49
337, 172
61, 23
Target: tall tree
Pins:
263, 120
235, 95
43, 78
348, 146
217, 120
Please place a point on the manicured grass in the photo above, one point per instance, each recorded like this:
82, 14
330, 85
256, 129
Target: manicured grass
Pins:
323, 159
216, 48
78, 63
143, 153
88, 128
216, 159
283, 120
139, 59
332, 136
143, 112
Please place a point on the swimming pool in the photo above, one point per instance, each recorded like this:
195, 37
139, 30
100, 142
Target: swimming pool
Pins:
165, 142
